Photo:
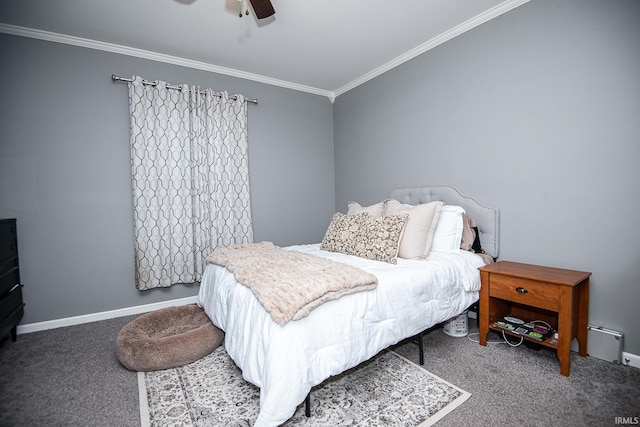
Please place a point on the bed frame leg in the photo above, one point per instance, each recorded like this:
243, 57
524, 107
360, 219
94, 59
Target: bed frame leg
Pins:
421, 348
307, 405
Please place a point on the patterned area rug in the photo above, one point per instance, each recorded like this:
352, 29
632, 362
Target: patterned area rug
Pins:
388, 390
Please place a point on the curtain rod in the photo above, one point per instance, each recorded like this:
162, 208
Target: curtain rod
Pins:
147, 82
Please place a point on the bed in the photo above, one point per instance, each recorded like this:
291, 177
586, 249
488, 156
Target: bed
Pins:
287, 361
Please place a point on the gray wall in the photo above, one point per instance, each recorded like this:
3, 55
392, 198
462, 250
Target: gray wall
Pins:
536, 112
65, 171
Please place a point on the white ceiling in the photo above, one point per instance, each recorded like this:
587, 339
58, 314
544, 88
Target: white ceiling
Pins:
319, 46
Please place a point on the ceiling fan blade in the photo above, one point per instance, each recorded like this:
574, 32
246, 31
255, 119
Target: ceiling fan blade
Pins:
262, 8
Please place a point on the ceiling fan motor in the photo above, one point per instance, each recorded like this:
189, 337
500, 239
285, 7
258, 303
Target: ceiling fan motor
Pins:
262, 8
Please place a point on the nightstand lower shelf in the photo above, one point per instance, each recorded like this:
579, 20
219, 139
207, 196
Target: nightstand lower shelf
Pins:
502, 308
550, 342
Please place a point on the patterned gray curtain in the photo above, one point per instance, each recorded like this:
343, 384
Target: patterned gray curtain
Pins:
189, 163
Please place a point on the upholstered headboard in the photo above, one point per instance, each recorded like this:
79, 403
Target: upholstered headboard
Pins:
487, 218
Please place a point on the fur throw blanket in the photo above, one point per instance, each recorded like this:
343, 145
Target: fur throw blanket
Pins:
289, 284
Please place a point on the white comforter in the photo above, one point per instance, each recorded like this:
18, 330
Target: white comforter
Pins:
286, 361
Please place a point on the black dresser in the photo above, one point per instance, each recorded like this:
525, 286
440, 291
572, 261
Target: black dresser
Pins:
11, 305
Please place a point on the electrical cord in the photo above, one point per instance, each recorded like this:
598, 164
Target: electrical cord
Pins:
477, 341
543, 322
504, 337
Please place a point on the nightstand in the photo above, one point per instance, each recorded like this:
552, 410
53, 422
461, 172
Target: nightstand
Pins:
556, 296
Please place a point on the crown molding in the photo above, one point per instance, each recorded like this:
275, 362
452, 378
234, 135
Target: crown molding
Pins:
154, 56
174, 60
430, 44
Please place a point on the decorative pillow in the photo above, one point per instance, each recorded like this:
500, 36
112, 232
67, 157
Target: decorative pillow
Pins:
448, 234
376, 210
418, 232
365, 236
342, 232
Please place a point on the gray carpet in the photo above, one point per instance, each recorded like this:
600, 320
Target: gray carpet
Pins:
519, 386
67, 377
71, 377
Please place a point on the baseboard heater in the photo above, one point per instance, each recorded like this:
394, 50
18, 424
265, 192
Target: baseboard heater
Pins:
604, 344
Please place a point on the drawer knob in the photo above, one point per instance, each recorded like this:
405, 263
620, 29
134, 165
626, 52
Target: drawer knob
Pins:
521, 290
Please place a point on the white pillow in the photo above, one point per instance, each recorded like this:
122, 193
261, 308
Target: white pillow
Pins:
418, 232
448, 234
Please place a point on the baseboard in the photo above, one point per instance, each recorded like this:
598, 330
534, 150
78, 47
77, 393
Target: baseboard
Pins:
630, 359
104, 315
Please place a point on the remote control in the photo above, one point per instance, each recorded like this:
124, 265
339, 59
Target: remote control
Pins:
514, 320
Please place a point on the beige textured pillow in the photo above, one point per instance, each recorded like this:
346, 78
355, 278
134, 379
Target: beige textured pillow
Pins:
365, 236
421, 224
376, 210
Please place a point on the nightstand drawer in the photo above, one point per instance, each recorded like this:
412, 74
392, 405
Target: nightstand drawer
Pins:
525, 291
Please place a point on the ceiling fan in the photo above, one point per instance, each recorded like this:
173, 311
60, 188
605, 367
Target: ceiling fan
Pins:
262, 8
